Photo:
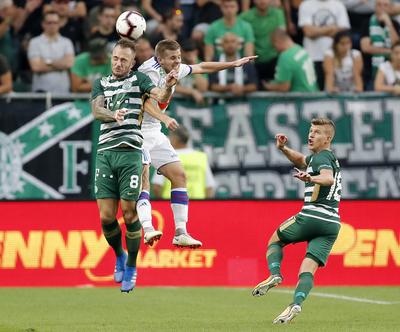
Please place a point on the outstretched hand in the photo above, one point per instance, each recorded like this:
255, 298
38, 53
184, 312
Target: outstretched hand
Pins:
242, 61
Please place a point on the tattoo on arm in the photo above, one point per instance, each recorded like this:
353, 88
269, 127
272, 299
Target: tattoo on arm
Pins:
101, 113
161, 94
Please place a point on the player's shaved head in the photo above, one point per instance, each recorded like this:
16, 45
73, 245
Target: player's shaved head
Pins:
329, 125
166, 45
279, 34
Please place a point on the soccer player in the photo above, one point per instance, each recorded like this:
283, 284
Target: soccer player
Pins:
117, 103
163, 156
318, 222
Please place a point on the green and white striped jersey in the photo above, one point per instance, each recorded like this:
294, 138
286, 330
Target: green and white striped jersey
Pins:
122, 93
322, 202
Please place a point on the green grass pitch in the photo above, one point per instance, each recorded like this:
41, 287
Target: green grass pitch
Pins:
195, 309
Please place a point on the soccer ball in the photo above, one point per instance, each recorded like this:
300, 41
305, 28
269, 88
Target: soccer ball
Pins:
131, 25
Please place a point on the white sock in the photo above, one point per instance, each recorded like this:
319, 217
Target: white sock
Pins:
143, 208
180, 208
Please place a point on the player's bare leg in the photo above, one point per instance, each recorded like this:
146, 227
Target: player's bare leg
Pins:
179, 204
143, 208
274, 258
112, 232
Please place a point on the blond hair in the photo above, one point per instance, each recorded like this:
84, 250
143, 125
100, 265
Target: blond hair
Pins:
166, 45
325, 122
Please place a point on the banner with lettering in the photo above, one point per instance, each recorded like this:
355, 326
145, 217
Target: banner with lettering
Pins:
239, 140
48, 153
60, 244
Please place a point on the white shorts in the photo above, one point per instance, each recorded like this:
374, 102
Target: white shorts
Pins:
160, 148
146, 159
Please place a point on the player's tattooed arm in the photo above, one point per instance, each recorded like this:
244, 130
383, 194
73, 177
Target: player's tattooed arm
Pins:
105, 115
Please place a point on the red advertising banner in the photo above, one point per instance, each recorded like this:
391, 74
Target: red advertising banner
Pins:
60, 244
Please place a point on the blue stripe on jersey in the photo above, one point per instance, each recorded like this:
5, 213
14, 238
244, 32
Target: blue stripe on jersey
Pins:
190, 69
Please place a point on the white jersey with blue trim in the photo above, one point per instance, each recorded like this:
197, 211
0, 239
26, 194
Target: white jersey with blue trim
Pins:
157, 75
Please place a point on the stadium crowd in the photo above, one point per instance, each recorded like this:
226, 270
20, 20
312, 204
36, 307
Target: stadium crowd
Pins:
61, 46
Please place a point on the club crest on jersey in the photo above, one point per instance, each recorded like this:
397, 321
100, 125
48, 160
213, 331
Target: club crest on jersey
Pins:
127, 85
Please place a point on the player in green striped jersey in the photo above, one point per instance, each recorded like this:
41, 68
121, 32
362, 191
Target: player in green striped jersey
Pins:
117, 101
318, 222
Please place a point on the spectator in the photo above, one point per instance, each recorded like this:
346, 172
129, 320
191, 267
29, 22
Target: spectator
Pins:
7, 43
5, 76
144, 51
291, 8
172, 28
343, 65
93, 19
155, 9
238, 80
106, 26
264, 19
89, 66
192, 85
378, 37
200, 180
74, 9
29, 19
51, 56
320, 21
388, 76
207, 11
294, 71
28, 26
188, 8
228, 23
71, 23
359, 12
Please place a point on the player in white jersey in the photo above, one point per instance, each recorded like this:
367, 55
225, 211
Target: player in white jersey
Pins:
163, 156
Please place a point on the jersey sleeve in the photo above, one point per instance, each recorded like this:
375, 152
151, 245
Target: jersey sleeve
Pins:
97, 89
145, 83
321, 161
184, 70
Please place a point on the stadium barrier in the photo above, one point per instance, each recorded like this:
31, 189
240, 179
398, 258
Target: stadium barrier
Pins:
237, 134
60, 244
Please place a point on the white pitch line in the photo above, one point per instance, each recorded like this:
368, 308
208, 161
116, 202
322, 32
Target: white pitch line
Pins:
341, 297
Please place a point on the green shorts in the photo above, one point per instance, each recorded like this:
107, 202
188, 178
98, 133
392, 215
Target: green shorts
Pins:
118, 174
320, 235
